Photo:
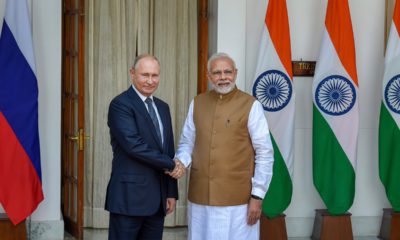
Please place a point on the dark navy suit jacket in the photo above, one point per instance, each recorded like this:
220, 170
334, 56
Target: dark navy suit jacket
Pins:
138, 185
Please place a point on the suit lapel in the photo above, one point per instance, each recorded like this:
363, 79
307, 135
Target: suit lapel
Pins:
139, 104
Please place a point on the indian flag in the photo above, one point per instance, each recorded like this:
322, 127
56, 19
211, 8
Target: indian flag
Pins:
273, 87
389, 123
335, 111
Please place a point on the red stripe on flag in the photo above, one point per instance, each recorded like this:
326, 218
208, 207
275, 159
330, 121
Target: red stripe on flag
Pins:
277, 23
396, 16
340, 30
20, 186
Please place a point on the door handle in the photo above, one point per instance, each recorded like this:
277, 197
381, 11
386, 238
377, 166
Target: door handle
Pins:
73, 138
80, 139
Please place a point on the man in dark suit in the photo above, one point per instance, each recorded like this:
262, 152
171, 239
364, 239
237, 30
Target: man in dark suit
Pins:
140, 193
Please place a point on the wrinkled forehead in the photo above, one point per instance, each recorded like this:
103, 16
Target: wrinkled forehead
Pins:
222, 63
145, 59
147, 63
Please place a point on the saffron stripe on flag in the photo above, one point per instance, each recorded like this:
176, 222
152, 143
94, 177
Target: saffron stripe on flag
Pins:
339, 27
396, 16
277, 22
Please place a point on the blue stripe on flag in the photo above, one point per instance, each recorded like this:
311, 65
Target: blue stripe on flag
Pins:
19, 95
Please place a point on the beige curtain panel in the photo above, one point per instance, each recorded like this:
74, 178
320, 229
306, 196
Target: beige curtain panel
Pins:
117, 31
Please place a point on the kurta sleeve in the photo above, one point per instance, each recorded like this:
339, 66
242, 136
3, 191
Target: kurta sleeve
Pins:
186, 142
264, 153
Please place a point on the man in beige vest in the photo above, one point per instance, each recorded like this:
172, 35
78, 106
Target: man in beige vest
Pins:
226, 143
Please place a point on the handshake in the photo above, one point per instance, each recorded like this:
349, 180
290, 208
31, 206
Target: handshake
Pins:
178, 171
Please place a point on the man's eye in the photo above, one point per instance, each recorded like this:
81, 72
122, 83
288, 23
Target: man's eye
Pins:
216, 73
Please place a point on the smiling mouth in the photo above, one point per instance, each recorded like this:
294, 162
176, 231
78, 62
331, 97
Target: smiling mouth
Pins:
224, 84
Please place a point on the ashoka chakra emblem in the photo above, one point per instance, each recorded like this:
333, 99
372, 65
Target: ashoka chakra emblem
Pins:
392, 94
273, 89
335, 95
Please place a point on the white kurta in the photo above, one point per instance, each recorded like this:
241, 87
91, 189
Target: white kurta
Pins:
230, 222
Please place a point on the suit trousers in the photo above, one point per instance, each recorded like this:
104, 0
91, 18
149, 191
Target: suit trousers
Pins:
123, 227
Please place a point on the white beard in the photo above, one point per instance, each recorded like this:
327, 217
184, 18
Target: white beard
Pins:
224, 89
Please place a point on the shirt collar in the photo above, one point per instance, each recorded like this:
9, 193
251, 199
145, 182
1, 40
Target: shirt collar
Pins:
143, 97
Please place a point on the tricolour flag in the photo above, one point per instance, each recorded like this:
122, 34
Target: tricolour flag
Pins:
273, 87
389, 123
335, 111
20, 174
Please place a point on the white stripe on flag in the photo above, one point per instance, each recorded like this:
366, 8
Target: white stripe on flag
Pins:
21, 32
329, 64
268, 59
392, 63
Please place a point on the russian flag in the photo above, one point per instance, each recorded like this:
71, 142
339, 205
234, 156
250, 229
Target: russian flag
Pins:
20, 174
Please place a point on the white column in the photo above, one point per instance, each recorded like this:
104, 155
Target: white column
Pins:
46, 17
231, 34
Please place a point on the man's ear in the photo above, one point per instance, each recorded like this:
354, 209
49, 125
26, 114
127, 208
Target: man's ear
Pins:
132, 73
209, 75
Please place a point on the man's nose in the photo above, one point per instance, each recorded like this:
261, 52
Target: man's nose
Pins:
223, 75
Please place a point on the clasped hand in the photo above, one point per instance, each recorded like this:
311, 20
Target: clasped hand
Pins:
178, 171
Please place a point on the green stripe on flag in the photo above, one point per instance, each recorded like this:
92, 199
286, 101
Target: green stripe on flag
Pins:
389, 157
279, 192
333, 174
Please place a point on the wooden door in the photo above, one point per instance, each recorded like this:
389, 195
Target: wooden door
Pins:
73, 129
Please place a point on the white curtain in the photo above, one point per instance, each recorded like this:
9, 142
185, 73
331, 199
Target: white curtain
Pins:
116, 32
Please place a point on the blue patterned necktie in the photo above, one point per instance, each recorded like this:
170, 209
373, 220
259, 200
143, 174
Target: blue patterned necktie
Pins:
153, 116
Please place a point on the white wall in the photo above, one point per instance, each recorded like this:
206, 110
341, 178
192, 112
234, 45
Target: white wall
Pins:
306, 19
231, 37
46, 28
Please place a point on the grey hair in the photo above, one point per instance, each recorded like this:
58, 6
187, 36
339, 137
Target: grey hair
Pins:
219, 55
142, 56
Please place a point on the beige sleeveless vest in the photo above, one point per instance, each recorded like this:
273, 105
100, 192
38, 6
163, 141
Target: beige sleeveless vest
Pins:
223, 156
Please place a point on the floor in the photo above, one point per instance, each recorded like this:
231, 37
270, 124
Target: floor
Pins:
169, 234
101, 234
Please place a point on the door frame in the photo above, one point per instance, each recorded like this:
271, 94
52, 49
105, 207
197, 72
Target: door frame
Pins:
73, 115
